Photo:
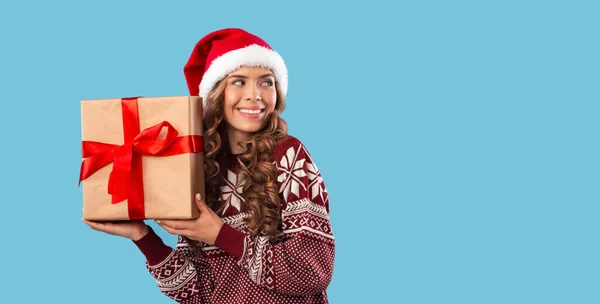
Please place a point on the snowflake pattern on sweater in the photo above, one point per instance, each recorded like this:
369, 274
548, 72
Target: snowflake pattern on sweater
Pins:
295, 267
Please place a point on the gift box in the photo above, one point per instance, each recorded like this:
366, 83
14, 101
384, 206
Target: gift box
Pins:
143, 158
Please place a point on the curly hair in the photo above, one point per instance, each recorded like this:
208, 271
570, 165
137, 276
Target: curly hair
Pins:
257, 168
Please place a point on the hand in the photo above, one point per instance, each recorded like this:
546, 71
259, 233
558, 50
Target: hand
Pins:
133, 230
205, 228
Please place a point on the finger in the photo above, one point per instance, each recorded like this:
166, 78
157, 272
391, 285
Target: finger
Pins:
184, 231
177, 224
91, 223
200, 203
100, 226
172, 230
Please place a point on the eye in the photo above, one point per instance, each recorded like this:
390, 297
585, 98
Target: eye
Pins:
268, 83
237, 82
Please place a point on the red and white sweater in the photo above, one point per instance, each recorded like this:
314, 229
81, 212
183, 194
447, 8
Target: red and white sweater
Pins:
294, 268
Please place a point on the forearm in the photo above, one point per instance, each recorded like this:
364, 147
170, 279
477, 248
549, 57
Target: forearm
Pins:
301, 265
153, 248
176, 276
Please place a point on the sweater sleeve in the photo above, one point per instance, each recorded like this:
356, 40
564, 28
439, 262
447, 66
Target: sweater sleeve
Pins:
301, 261
178, 273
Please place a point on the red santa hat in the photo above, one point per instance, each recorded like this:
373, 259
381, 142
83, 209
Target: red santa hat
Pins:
222, 52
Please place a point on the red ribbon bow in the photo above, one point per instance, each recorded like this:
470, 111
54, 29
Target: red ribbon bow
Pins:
125, 180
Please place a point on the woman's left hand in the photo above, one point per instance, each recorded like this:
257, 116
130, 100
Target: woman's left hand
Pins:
205, 228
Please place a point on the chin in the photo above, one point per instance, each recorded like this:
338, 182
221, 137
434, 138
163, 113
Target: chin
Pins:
250, 129
246, 126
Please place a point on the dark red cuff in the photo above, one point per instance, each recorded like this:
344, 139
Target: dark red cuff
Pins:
152, 246
231, 240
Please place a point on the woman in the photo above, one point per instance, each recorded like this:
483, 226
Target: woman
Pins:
263, 235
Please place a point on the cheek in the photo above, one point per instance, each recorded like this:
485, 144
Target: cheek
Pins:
231, 99
271, 99
228, 109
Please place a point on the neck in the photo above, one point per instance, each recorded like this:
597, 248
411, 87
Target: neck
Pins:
235, 137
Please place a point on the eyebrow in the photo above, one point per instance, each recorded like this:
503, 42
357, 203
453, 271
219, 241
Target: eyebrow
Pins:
245, 77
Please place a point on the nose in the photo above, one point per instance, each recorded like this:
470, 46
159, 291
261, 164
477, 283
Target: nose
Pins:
252, 93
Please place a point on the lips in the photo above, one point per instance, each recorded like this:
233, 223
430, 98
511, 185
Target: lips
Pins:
251, 111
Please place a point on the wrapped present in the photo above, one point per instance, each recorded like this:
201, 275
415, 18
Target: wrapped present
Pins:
143, 158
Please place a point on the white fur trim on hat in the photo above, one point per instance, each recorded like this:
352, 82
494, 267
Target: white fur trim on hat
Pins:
253, 55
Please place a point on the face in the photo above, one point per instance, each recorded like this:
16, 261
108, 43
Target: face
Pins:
250, 96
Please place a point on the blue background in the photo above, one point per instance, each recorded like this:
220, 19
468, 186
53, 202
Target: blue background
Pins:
458, 140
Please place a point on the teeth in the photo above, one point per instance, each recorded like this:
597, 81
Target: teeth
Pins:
250, 111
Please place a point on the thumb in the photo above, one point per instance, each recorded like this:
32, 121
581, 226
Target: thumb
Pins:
200, 203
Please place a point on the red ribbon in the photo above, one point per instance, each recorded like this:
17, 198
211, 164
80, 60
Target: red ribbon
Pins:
125, 180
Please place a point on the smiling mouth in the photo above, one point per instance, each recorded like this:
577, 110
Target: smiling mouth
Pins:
251, 111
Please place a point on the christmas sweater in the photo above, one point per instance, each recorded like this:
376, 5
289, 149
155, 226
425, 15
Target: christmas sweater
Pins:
294, 267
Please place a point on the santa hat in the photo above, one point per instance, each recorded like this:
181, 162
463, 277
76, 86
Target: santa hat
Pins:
223, 51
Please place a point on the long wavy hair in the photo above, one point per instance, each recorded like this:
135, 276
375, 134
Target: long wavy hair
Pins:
257, 168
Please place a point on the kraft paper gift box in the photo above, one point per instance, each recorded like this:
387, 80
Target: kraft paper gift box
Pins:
142, 158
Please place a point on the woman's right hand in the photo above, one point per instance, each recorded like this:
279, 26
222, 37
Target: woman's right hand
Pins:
133, 230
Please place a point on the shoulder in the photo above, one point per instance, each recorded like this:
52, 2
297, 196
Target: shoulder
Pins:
285, 143
297, 174
290, 146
